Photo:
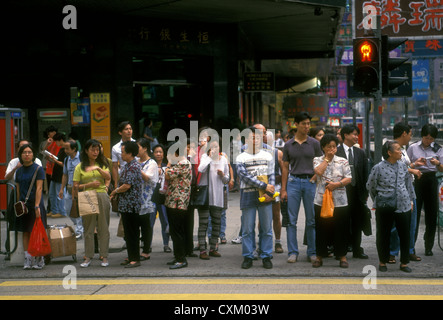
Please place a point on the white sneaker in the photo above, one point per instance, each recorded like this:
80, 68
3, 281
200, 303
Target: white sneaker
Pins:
237, 240
28, 262
39, 263
292, 258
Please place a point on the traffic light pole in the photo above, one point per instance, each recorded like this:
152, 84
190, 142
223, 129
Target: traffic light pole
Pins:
378, 108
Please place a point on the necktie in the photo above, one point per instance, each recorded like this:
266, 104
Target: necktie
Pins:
351, 164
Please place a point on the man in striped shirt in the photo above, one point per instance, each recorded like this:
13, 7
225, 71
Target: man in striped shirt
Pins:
256, 172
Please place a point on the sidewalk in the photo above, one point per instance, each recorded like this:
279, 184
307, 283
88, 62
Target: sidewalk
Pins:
229, 264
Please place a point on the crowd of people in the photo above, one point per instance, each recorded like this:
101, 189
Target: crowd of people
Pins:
275, 176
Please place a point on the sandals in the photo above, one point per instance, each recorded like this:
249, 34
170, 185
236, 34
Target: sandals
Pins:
392, 260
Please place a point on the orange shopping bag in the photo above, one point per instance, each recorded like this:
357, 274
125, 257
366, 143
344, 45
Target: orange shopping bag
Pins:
327, 208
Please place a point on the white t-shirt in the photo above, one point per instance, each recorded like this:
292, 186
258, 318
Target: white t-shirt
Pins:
216, 182
13, 163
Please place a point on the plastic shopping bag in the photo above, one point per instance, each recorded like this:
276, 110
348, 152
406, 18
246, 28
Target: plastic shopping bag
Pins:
39, 245
327, 208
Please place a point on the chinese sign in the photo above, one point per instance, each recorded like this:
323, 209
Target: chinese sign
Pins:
315, 105
401, 18
258, 81
101, 120
428, 48
172, 36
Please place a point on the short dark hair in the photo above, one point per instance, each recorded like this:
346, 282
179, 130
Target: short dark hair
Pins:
399, 128
348, 129
131, 147
22, 148
387, 147
122, 125
429, 129
59, 136
302, 116
327, 139
51, 128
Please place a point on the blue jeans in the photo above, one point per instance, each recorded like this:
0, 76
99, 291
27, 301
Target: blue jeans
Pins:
57, 204
265, 237
78, 222
300, 189
395, 240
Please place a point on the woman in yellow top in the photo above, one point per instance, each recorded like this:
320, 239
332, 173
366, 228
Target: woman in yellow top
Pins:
93, 174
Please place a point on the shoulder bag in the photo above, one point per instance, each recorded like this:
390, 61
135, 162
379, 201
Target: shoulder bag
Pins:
200, 194
20, 206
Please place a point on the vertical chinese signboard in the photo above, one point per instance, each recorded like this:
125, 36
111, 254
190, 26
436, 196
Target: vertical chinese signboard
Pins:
101, 120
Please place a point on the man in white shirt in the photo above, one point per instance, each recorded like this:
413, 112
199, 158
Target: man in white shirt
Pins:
14, 164
125, 130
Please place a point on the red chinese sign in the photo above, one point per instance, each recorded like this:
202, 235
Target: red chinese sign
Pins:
401, 18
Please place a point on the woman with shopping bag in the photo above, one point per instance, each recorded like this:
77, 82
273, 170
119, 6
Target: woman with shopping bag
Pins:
30, 177
91, 178
331, 218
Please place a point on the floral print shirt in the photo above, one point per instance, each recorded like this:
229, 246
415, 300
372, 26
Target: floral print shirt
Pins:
179, 186
132, 199
337, 170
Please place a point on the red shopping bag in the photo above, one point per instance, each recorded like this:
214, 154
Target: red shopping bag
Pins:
39, 245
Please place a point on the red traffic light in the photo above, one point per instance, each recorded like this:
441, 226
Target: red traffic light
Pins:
366, 51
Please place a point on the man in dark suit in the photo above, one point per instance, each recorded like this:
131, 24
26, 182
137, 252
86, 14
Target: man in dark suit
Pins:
356, 190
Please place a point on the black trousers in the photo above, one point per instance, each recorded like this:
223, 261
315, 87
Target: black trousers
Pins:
131, 226
335, 229
177, 230
426, 191
356, 215
385, 219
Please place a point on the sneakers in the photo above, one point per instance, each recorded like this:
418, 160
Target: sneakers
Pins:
36, 263
292, 258
237, 240
28, 261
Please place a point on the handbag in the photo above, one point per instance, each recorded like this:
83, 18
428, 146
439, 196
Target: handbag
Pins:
88, 203
39, 245
327, 207
114, 202
200, 194
74, 209
387, 202
20, 206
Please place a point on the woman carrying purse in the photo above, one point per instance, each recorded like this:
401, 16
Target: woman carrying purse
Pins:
36, 209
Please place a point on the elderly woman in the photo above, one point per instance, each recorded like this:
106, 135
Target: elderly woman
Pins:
178, 174
333, 173
36, 209
93, 174
130, 192
390, 179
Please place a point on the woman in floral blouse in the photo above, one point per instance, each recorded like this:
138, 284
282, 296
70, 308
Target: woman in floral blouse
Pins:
130, 193
333, 173
177, 199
